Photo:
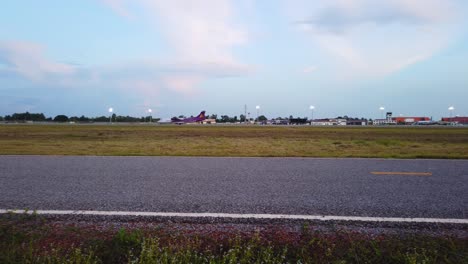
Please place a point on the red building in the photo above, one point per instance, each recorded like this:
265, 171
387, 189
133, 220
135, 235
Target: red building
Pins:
409, 120
457, 119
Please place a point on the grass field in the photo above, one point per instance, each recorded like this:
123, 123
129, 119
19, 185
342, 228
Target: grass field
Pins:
241, 141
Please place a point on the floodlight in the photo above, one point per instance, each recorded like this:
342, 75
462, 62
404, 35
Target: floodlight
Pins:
451, 108
257, 107
110, 112
381, 111
312, 112
151, 118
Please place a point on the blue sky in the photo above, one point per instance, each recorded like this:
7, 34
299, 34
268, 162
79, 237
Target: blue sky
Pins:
345, 57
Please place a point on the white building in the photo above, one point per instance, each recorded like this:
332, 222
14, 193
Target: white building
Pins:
328, 122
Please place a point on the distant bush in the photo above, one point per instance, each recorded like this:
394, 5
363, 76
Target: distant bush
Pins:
61, 118
26, 117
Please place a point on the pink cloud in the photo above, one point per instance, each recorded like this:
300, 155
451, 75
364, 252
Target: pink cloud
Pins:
202, 35
28, 60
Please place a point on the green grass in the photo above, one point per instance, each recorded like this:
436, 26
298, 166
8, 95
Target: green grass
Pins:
242, 141
36, 240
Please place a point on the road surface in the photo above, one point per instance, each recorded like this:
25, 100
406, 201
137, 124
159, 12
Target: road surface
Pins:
290, 186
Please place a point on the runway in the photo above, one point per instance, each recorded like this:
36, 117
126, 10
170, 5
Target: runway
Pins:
378, 188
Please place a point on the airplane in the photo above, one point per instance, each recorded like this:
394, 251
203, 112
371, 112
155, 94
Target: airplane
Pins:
425, 123
165, 121
198, 118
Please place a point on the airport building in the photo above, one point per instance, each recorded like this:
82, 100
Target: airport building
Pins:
458, 119
386, 121
209, 121
409, 120
328, 122
356, 122
401, 120
279, 121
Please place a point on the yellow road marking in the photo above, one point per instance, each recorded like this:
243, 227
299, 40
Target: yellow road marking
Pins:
401, 173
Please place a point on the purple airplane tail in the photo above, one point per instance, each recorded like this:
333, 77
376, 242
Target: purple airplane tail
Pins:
198, 118
201, 116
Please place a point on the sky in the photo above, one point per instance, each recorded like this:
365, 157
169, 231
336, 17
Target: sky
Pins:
178, 57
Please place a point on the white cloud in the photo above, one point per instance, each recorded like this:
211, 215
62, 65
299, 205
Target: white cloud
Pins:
28, 59
310, 69
340, 16
375, 38
200, 31
202, 35
118, 6
151, 77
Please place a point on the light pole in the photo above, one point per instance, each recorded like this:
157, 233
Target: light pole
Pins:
381, 111
450, 111
110, 112
312, 112
245, 114
258, 111
150, 111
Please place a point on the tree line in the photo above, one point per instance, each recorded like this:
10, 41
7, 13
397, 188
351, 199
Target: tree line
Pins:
40, 117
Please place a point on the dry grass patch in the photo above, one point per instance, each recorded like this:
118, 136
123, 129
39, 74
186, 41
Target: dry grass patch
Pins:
253, 141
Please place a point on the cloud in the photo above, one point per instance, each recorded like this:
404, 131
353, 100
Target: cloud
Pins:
202, 36
310, 69
118, 6
28, 59
152, 77
199, 31
377, 38
341, 16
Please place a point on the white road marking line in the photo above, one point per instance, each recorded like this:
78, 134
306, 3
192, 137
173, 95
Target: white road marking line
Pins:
241, 216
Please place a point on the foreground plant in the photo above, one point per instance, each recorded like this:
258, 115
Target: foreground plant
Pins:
37, 240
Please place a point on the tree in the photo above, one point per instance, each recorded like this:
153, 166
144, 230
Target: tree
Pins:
242, 118
1, 118
83, 119
28, 117
224, 119
101, 119
61, 118
262, 118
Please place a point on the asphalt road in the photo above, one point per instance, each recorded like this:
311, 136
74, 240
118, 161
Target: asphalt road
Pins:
344, 187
